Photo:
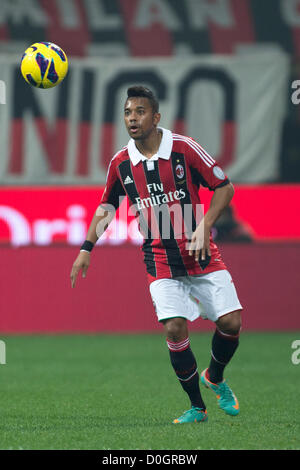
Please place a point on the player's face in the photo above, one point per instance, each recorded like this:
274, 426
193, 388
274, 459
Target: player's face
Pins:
140, 120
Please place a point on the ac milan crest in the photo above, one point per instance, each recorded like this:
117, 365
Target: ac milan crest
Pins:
179, 171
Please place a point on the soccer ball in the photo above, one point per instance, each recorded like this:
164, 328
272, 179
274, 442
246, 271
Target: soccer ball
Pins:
44, 65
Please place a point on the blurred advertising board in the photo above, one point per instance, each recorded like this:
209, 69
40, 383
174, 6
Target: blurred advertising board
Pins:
45, 216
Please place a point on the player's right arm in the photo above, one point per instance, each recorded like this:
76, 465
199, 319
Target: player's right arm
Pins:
104, 214
99, 224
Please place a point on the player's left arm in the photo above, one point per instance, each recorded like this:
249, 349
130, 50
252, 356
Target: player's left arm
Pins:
220, 200
200, 241
206, 171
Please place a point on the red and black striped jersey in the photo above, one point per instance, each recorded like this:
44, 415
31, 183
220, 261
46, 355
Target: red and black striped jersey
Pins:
163, 192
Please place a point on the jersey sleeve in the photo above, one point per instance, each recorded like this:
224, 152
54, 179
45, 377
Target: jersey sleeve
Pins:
114, 192
204, 169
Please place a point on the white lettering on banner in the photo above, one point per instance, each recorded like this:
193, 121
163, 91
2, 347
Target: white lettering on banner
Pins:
199, 14
111, 229
52, 154
72, 228
77, 228
19, 11
291, 12
99, 19
68, 14
155, 11
19, 226
147, 13
44, 230
218, 12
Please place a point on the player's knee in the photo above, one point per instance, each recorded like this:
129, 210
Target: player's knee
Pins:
231, 323
175, 329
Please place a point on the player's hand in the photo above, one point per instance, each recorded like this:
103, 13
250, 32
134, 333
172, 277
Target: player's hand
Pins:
200, 242
81, 263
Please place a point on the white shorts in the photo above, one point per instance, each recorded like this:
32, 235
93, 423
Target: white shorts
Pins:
207, 295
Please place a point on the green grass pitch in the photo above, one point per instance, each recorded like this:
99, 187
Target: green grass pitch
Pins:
119, 392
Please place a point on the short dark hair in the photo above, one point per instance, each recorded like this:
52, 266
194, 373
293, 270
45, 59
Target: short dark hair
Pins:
143, 92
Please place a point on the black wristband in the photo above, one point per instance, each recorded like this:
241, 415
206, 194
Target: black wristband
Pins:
87, 246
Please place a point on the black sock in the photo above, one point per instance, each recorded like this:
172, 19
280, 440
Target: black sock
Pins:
223, 348
185, 366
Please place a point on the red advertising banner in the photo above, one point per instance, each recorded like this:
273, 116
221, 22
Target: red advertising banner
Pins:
41, 229
36, 294
50, 215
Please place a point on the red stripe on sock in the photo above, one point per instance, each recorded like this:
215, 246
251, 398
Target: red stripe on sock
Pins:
180, 346
226, 335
